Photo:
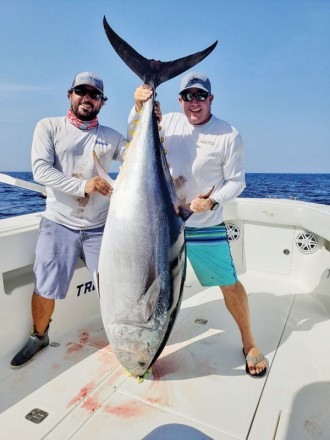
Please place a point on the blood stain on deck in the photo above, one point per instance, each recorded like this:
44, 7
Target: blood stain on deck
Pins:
82, 394
127, 410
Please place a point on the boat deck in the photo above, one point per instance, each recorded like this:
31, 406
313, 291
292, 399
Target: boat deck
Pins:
198, 388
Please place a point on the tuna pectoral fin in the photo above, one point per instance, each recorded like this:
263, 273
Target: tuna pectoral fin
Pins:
146, 305
151, 71
101, 171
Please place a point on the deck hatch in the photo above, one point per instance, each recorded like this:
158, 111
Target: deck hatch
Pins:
201, 321
37, 415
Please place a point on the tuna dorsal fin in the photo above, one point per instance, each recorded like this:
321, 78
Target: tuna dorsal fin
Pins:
151, 71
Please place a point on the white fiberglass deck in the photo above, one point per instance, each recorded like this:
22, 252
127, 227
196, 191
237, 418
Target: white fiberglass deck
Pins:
199, 381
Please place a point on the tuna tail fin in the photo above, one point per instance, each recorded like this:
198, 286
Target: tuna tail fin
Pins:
151, 71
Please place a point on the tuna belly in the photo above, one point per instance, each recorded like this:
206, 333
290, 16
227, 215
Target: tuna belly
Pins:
135, 346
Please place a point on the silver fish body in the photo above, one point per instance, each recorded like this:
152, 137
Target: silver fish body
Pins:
142, 258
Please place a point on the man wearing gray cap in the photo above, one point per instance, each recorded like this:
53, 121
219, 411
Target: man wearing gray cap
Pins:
77, 200
205, 157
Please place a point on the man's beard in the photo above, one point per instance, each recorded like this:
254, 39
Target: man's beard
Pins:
84, 116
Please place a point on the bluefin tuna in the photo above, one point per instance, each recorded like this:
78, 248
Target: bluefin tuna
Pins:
142, 258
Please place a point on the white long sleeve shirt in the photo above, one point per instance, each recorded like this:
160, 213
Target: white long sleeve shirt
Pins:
62, 160
201, 157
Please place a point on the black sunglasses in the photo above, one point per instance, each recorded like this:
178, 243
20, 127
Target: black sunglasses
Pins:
80, 91
189, 96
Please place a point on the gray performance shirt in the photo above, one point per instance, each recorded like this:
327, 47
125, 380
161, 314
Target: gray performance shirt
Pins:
62, 160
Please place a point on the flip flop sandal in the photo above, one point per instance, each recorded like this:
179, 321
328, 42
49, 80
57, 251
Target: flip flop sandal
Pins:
254, 360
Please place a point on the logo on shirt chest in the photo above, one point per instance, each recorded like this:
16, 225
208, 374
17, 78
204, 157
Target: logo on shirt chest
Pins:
101, 144
205, 142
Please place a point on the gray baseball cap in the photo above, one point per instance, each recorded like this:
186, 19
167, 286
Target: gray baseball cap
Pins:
88, 79
195, 80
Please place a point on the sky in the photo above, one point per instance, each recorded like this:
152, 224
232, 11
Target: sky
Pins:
270, 71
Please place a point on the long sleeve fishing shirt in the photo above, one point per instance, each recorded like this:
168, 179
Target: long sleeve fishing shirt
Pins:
62, 160
202, 157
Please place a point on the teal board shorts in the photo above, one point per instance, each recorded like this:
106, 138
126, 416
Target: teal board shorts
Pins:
57, 252
209, 253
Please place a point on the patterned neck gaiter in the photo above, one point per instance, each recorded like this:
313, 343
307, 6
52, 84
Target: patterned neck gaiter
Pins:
83, 125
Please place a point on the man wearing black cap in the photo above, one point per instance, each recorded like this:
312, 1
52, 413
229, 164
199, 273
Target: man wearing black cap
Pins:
77, 200
205, 157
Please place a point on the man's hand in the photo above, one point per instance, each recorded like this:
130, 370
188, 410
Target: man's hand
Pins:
201, 203
98, 185
141, 95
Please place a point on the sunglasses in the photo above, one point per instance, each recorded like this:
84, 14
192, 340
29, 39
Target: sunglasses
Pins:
189, 96
80, 91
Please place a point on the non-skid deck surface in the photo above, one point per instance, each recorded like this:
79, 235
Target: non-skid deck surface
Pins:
198, 388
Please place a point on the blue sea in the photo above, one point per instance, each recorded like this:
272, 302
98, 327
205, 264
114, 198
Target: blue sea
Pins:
305, 187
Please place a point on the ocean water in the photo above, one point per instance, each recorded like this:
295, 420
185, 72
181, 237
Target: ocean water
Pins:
314, 188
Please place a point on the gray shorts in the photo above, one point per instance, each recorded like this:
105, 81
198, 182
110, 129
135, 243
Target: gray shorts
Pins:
57, 252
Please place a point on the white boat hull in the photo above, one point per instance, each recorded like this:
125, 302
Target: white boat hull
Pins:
282, 253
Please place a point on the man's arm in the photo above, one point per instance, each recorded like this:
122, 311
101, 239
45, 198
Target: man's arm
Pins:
234, 180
